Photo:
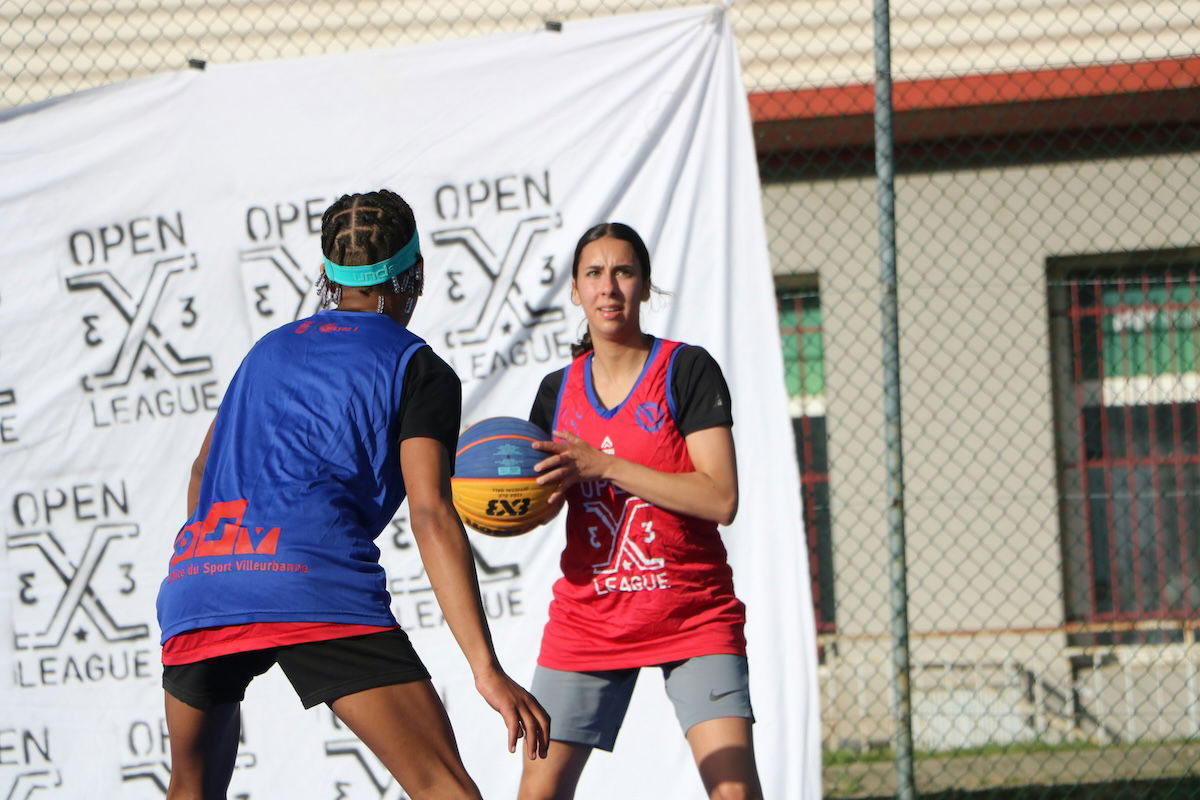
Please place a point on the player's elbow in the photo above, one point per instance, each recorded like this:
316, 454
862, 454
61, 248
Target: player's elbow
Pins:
198, 469
434, 520
727, 509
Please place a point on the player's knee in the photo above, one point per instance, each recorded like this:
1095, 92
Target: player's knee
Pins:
734, 790
530, 790
542, 785
527, 792
444, 790
439, 780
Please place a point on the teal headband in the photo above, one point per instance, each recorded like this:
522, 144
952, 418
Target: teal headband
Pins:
405, 258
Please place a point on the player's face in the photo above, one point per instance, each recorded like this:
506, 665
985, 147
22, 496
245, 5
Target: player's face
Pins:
608, 285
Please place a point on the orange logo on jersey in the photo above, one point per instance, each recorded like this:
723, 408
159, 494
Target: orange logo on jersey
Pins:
196, 540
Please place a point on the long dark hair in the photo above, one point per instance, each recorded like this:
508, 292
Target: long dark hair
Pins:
361, 229
613, 230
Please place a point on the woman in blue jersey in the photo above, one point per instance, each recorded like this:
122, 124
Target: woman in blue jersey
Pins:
643, 454
327, 425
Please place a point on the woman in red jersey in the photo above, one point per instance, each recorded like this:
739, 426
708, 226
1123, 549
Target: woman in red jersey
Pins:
644, 457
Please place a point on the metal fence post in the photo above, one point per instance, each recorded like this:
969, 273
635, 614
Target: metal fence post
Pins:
885, 169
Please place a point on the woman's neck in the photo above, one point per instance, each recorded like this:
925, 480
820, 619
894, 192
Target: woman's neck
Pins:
355, 300
616, 367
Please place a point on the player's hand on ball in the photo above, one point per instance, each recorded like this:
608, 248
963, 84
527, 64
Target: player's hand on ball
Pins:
571, 460
523, 714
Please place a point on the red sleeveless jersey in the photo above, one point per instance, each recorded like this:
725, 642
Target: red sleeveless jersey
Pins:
641, 585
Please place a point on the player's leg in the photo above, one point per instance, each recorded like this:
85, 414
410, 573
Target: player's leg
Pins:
556, 776
586, 711
203, 749
203, 711
711, 695
724, 752
406, 727
377, 686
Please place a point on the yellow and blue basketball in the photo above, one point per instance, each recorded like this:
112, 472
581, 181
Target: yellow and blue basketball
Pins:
494, 485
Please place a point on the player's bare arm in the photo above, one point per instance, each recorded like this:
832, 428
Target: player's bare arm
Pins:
710, 492
193, 494
446, 556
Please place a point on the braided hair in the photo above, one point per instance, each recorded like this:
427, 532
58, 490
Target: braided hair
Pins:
613, 230
362, 229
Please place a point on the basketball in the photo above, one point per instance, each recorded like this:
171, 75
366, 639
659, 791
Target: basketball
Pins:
494, 485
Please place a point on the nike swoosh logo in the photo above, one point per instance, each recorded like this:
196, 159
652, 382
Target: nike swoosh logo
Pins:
714, 697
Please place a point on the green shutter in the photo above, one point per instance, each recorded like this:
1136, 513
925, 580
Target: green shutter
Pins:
803, 349
1150, 330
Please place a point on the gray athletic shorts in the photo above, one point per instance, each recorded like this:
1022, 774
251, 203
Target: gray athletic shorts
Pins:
589, 707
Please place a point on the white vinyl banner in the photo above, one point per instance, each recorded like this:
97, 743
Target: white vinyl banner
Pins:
151, 231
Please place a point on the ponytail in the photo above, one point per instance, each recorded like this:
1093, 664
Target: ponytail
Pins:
584, 345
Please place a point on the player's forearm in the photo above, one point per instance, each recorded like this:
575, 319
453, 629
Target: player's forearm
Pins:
693, 493
446, 555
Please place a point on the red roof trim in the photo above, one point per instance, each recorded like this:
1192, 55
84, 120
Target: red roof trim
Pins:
978, 90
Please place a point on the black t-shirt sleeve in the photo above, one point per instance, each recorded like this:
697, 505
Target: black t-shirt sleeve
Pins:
701, 394
542, 413
431, 401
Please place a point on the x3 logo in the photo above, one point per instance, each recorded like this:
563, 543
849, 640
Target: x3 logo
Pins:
8, 435
623, 551
385, 785
302, 304
77, 595
140, 331
27, 783
502, 271
159, 773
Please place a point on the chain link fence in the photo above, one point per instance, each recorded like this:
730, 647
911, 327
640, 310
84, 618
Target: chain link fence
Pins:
1047, 211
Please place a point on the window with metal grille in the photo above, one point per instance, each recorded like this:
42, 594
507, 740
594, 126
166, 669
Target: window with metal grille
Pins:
1127, 367
804, 370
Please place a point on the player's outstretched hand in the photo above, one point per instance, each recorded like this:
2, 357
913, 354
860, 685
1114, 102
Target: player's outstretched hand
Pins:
571, 460
522, 713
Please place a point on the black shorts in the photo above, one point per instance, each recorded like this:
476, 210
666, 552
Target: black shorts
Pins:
320, 672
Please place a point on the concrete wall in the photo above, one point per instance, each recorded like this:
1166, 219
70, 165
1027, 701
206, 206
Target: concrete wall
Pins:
984, 557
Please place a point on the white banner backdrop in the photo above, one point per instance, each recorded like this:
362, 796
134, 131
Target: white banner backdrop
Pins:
151, 231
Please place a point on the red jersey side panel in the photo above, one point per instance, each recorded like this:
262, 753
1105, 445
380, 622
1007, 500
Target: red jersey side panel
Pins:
203, 643
641, 585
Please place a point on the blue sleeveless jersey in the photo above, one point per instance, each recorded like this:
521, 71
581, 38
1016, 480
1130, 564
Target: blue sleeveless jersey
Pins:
303, 472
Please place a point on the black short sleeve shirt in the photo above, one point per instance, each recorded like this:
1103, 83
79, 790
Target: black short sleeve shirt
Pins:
431, 401
697, 384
